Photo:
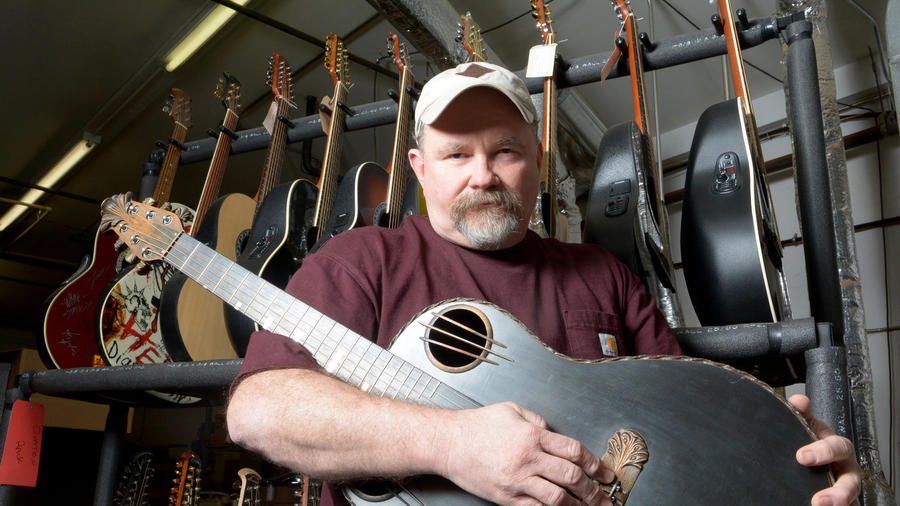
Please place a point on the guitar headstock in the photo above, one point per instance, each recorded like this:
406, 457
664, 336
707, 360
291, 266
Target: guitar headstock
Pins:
398, 52
186, 487
228, 91
541, 14
133, 488
178, 107
468, 33
280, 78
248, 487
622, 9
146, 230
336, 60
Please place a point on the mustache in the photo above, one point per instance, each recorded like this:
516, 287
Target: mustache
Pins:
504, 199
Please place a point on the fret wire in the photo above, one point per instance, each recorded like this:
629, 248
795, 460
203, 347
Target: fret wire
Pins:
371, 377
403, 381
393, 373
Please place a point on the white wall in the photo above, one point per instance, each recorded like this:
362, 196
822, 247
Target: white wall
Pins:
878, 271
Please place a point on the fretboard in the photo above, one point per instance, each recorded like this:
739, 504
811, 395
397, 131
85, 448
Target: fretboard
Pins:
396, 187
216, 170
328, 179
271, 173
340, 351
170, 163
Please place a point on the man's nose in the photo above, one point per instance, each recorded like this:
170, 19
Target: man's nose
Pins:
482, 175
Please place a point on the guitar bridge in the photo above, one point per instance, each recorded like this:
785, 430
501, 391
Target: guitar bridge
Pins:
626, 456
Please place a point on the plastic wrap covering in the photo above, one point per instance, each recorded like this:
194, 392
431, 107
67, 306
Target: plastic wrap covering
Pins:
875, 489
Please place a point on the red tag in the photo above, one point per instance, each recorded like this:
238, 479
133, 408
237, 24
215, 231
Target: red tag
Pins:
22, 449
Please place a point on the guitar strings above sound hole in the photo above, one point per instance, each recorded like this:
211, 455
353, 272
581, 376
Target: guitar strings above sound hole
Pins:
458, 338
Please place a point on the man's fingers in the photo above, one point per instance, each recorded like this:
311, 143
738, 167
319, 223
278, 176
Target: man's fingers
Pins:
828, 450
571, 450
553, 494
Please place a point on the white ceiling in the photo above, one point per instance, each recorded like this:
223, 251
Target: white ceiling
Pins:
76, 67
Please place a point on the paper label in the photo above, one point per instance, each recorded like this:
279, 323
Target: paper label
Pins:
608, 343
269, 122
541, 60
22, 449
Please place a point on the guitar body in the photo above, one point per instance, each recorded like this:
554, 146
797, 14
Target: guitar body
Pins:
358, 196
68, 327
193, 321
729, 274
275, 247
714, 435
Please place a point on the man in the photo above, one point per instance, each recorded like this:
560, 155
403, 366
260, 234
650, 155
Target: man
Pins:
477, 162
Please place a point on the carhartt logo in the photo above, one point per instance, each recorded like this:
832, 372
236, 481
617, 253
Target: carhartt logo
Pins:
475, 71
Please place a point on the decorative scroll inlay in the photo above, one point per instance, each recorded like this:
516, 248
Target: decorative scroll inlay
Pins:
626, 456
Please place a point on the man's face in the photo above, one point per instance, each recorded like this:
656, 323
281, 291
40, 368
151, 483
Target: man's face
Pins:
478, 168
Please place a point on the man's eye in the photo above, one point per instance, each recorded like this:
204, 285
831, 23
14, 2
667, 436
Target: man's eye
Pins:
456, 156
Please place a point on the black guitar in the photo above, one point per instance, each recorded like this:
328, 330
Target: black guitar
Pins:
676, 430
291, 218
730, 245
272, 246
624, 213
134, 486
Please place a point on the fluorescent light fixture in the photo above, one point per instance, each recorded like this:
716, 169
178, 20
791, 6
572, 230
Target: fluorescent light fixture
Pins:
62, 167
199, 35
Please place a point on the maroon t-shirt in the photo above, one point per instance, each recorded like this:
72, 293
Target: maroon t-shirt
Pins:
575, 297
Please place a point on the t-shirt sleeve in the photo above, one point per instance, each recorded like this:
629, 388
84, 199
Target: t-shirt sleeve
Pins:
332, 285
646, 324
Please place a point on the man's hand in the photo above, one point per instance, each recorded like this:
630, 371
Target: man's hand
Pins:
506, 454
829, 449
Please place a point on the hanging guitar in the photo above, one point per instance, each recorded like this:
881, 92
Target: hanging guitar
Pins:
546, 218
185, 490
68, 328
192, 322
468, 35
624, 212
730, 244
273, 247
664, 419
133, 488
313, 231
248, 488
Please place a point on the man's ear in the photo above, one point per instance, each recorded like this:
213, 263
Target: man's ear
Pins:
417, 162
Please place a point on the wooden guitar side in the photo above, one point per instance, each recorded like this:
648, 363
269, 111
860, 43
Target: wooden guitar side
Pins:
196, 329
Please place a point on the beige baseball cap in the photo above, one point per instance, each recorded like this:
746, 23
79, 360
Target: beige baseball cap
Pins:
441, 89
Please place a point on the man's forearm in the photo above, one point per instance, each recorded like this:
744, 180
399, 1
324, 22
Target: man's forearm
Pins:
313, 423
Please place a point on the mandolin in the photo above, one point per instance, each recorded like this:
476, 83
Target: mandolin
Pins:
68, 328
275, 243
624, 212
546, 219
192, 323
293, 217
659, 419
730, 243
185, 489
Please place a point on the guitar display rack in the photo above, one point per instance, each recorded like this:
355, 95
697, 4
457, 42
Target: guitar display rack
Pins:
826, 379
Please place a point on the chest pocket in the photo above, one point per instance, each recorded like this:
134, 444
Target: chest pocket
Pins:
594, 334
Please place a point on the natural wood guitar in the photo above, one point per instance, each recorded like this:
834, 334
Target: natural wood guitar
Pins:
192, 322
660, 420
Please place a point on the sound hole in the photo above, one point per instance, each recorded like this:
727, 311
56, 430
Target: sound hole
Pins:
459, 340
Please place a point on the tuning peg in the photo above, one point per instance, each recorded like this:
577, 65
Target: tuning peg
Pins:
142, 267
149, 201
130, 258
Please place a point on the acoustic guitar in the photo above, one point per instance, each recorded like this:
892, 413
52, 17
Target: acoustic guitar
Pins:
68, 328
185, 489
248, 488
274, 244
192, 322
546, 218
657, 421
731, 249
134, 486
624, 212
287, 229
468, 35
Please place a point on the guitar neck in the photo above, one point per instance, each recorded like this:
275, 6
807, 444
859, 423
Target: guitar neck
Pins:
548, 157
343, 353
271, 173
216, 170
169, 166
735, 61
328, 179
398, 172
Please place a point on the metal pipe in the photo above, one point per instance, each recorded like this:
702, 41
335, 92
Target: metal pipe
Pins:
110, 454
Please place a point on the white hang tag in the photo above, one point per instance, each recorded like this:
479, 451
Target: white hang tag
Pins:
541, 60
269, 122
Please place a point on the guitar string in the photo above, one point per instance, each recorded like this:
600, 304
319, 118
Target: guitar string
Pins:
401, 135
170, 166
316, 339
332, 150
215, 173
